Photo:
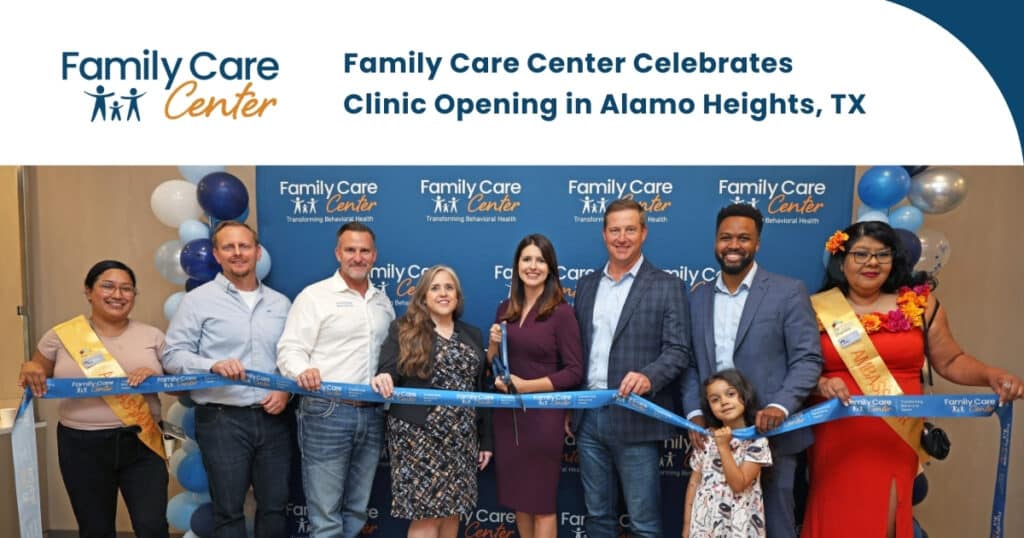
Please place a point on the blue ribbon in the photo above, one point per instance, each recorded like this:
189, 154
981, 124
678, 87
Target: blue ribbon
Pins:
963, 405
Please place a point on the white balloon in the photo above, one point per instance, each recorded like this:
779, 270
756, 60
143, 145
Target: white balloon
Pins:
168, 262
174, 201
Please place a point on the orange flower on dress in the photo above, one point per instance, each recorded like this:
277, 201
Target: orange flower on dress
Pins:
871, 322
837, 241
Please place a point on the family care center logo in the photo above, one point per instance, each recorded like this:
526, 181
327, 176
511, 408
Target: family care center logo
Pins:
401, 279
115, 86
594, 197
464, 201
786, 201
321, 201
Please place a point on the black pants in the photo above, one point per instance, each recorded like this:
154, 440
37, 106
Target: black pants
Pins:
95, 464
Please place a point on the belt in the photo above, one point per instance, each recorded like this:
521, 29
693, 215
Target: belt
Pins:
226, 406
357, 403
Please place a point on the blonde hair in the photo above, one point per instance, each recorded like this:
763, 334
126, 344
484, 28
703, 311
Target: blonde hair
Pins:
416, 329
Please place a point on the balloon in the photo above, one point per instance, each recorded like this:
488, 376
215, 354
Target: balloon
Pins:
202, 521
175, 461
186, 400
864, 208
168, 262
263, 264
244, 216
825, 257
188, 423
190, 446
911, 245
883, 186
914, 170
193, 229
935, 250
194, 173
222, 195
181, 507
171, 304
175, 414
191, 473
194, 283
174, 202
906, 217
937, 190
198, 261
189, 534
869, 216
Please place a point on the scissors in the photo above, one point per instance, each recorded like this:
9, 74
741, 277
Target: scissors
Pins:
500, 368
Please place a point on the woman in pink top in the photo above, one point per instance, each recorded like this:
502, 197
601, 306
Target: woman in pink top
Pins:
98, 452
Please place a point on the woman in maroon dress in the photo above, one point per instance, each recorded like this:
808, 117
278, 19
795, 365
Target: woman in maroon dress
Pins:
544, 355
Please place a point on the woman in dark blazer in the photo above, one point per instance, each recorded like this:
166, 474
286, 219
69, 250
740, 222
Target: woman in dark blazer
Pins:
435, 450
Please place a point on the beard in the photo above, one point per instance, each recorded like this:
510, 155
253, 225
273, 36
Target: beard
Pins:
737, 268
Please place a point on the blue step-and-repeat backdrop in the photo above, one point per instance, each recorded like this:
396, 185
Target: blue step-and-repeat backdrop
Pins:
472, 217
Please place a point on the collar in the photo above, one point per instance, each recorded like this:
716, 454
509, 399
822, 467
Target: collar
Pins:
230, 287
632, 270
339, 285
746, 284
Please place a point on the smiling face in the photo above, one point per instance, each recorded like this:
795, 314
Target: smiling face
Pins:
236, 251
442, 296
867, 278
726, 403
112, 296
736, 245
533, 268
356, 253
624, 236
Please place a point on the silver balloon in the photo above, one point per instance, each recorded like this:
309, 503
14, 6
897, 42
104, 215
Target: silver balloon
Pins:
168, 262
935, 251
937, 190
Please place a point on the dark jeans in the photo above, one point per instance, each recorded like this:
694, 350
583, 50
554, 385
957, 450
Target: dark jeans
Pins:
95, 464
243, 446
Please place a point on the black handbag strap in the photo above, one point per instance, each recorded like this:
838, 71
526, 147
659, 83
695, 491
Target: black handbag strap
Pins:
927, 352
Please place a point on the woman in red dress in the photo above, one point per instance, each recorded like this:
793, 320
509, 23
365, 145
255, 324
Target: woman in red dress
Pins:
862, 472
544, 354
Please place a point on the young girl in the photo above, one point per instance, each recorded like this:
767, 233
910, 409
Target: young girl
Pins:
723, 499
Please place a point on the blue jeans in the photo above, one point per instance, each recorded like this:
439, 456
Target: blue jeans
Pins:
341, 447
242, 446
607, 462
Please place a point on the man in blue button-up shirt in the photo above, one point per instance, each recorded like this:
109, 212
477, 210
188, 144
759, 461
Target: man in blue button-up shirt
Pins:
227, 326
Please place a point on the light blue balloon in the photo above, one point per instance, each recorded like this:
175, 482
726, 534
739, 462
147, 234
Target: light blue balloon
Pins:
193, 174
869, 216
864, 208
907, 217
263, 265
175, 414
193, 229
825, 257
180, 508
244, 216
171, 304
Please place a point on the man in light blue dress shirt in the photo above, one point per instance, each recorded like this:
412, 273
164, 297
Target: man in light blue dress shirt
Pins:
228, 326
761, 324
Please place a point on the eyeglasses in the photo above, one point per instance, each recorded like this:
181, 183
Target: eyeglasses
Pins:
108, 288
862, 257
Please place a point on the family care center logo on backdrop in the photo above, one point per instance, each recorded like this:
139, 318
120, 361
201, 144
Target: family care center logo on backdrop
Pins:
594, 196
320, 201
786, 201
466, 201
129, 88
400, 279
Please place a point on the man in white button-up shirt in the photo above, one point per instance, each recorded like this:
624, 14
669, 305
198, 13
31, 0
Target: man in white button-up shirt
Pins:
334, 332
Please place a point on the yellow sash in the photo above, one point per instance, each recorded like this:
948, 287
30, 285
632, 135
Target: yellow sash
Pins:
88, 351
862, 360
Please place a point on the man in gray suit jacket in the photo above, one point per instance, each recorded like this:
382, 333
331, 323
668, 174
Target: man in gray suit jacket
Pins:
761, 324
635, 331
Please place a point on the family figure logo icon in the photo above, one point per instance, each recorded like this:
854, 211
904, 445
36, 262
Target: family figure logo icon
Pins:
304, 207
597, 205
442, 205
99, 107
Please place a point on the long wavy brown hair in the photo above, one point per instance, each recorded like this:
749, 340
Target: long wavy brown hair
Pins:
551, 297
416, 329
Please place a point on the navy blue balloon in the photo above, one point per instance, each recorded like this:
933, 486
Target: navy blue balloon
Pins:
222, 195
883, 186
193, 283
202, 521
914, 170
911, 245
197, 260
